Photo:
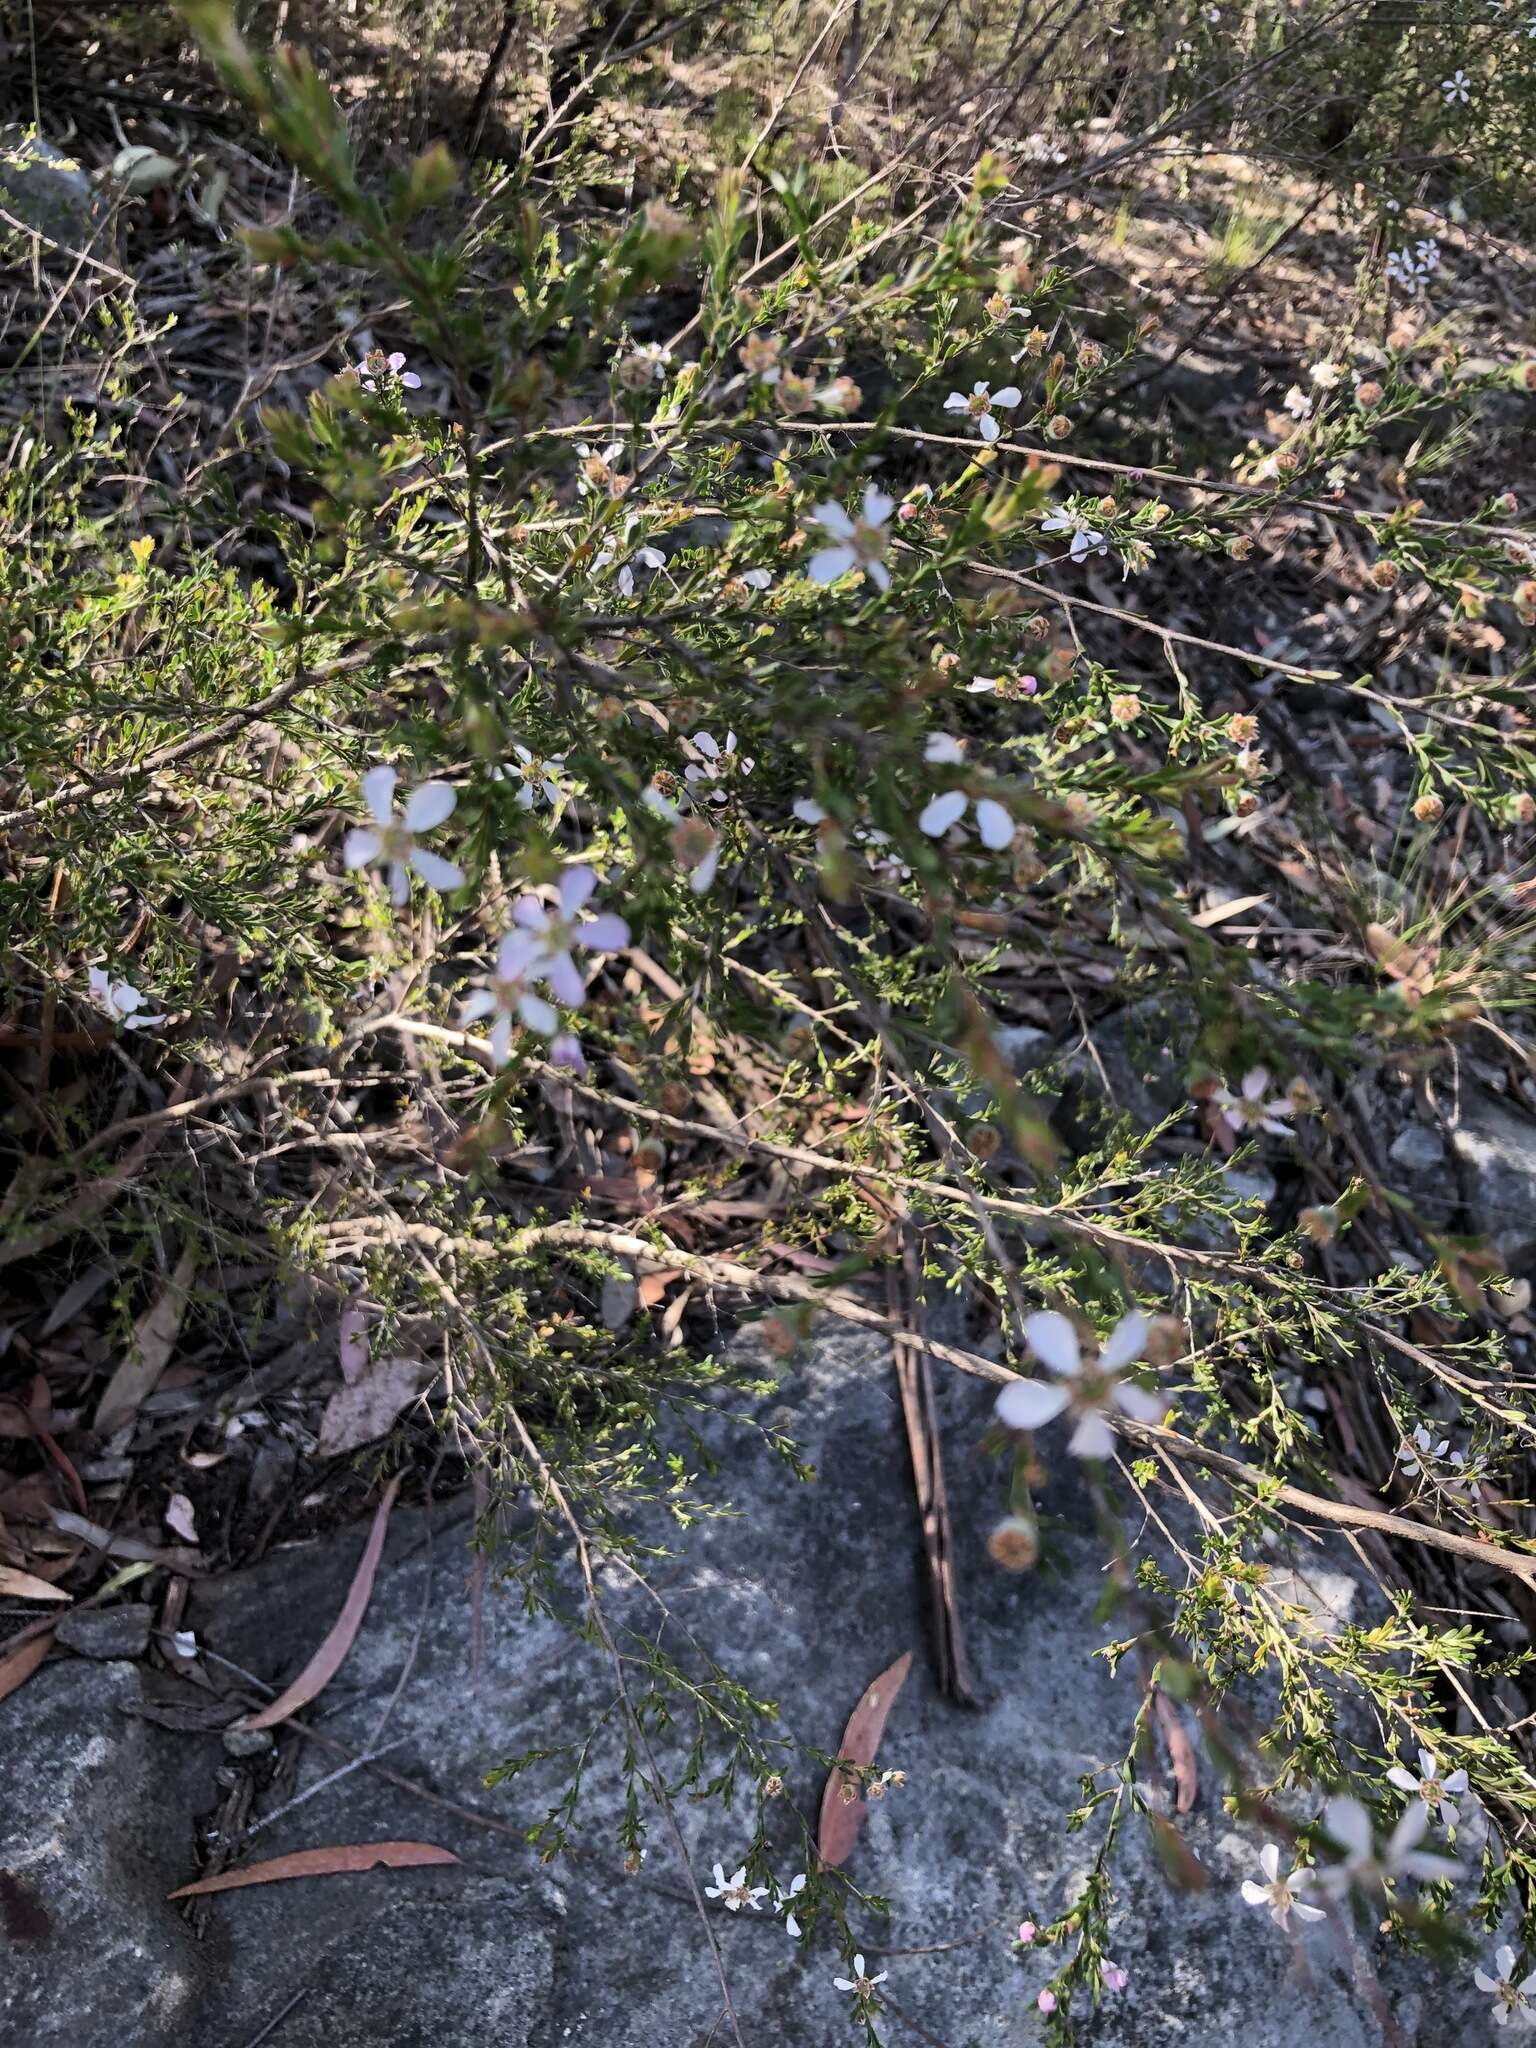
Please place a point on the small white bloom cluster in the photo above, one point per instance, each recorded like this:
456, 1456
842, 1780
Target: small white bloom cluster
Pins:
1407, 268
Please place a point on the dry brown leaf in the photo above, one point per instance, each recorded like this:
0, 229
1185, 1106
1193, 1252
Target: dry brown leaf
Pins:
365, 1410
19, 1666
327, 1660
154, 1339
841, 1816
181, 1517
345, 1859
17, 1585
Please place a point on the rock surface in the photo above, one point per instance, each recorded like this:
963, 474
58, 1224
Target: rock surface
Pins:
1495, 1148
46, 189
805, 1596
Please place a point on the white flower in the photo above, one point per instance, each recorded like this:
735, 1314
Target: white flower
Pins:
1427, 254
1457, 87
718, 765
785, 1904
537, 777
1326, 376
1349, 1823
993, 821
375, 363
595, 471
658, 360
736, 1893
120, 999
1248, 1111
1431, 1786
557, 931
394, 840
858, 543
1085, 541
859, 1984
1508, 1996
979, 406
1414, 1451
1280, 1893
1089, 1390
1407, 270
509, 997
1297, 403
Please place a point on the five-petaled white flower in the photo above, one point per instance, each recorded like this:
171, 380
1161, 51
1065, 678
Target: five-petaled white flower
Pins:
1280, 1893
718, 765
537, 777
978, 406
993, 820
122, 1002
1370, 1867
1090, 1389
392, 836
1326, 376
509, 997
861, 1985
1248, 1111
595, 471
375, 364
785, 1904
857, 543
1508, 1996
1431, 1786
1414, 1452
1297, 403
1457, 87
557, 931
1086, 540
734, 1893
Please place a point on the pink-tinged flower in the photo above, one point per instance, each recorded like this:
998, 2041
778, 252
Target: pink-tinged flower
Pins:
557, 931
993, 820
860, 1983
1047, 2000
1371, 1868
509, 995
857, 543
376, 364
392, 837
1281, 1894
1115, 1979
1431, 1785
1090, 1390
979, 403
1027, 1932
1248, 1110
1508, 1996
122, 1002
565, 1051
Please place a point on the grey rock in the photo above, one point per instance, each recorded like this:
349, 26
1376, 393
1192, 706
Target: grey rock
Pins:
806, 1595
96, 1812
1494, 1144
47, 189
1139, 1059
106, 1632
1417, 1149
